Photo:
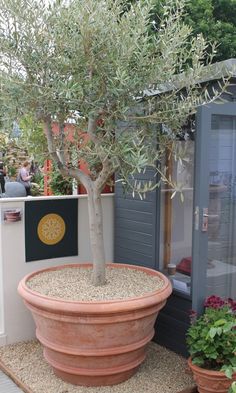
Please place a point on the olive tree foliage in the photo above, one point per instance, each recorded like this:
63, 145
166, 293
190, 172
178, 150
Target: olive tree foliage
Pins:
90, 61
32, 138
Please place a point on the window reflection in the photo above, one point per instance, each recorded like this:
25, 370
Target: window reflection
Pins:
221, 272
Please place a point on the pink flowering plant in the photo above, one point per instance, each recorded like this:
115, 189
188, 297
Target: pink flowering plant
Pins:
211, 338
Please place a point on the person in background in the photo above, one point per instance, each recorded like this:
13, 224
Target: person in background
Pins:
24, 176
2, 177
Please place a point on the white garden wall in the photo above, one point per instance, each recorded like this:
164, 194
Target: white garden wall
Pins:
16, 323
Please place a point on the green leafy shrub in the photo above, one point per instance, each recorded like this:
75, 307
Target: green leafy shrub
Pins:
211, 338
233, 388
59, 184
11, 171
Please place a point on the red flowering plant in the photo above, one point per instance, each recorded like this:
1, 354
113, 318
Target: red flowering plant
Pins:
211, 338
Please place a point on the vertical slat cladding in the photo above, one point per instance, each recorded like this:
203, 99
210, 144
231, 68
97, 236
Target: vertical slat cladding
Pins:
135, 226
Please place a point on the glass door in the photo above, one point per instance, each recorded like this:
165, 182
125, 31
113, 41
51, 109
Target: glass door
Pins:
214, 229
176, 213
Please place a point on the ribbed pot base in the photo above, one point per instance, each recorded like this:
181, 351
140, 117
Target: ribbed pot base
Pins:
95, 371
89, 381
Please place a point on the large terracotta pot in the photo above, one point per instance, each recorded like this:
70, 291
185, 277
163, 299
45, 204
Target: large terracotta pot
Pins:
95, 343
209, 381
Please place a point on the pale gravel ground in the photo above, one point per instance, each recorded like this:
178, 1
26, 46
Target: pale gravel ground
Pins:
75, 284
162, 372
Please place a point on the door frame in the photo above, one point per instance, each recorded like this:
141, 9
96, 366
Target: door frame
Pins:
201, 197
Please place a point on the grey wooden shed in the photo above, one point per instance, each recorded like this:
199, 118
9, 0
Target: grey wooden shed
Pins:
197, 236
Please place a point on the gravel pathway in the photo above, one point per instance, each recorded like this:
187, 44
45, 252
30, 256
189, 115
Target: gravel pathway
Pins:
162, 372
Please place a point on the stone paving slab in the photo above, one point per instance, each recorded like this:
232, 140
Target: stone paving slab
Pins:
7, 385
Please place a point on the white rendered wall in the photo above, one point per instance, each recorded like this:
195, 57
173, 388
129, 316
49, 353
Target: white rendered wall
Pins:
16, 323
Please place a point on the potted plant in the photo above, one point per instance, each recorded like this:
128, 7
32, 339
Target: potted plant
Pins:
211, 340
101, 65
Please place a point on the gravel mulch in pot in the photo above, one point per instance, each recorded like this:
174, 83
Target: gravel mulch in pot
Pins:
75, 283
162, 372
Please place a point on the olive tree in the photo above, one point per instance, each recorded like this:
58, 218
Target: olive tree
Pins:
94, 62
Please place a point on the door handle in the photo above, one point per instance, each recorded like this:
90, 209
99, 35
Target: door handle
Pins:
196, 218
211, 215
205, 216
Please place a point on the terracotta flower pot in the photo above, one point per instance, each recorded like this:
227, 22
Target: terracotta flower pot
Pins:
95, 343
209, 381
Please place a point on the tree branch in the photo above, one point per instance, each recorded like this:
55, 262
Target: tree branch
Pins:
76, 173
92, 126
105, 174
62, 140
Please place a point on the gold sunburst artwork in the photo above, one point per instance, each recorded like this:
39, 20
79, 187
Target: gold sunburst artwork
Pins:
51, 229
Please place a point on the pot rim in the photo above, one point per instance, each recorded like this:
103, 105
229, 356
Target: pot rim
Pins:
148, 299
204, 371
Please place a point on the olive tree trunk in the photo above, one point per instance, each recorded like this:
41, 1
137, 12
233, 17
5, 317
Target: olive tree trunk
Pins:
94, 190
96, 235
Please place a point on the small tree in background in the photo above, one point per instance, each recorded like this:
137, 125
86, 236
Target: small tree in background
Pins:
91, 61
